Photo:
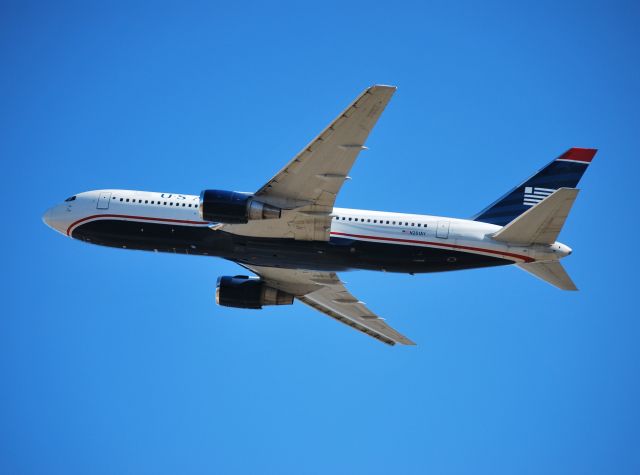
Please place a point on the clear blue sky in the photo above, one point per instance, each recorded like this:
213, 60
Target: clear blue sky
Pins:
116, 362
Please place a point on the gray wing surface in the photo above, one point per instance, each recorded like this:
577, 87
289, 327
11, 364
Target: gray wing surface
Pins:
325, 292
306, 188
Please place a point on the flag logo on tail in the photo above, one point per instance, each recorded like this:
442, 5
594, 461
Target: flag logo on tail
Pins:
534, 195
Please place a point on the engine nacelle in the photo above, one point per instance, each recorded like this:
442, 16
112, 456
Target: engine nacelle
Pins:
245, 292
231, 207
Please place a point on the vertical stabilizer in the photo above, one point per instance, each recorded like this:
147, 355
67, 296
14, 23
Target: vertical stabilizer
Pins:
564, 172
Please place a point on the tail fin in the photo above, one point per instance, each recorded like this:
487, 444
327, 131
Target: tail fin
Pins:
551, 272
564, 172
542, 223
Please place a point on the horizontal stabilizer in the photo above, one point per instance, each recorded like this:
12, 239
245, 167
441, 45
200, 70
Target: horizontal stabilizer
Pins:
542, 223
551, 272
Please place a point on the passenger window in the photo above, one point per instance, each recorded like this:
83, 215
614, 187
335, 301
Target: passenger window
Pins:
184, 205
165, 203
189, 205
413, 224
146, 202
121, 199
127, 200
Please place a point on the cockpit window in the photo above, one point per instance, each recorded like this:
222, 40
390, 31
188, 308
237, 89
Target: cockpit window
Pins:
72, 198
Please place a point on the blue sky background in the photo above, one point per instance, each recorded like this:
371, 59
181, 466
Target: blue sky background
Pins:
115, 361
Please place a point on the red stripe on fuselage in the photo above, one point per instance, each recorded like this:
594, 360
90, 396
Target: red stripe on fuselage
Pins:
438, 244
126, 216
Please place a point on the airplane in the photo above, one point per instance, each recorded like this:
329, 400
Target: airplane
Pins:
292, 237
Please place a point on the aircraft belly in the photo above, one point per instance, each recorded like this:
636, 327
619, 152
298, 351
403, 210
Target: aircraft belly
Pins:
335, 255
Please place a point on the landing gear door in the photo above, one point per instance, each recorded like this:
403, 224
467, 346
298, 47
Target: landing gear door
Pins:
443, 229
103, 200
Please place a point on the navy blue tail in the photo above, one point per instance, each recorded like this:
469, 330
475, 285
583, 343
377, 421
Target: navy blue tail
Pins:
564, 172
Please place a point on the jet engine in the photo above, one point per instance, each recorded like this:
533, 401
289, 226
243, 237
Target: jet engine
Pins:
248, 292
231, 207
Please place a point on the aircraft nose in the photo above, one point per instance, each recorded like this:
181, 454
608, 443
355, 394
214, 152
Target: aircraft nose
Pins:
46, 218
52, 218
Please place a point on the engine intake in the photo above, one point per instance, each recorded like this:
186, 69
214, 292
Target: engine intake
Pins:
241, 291
231, 207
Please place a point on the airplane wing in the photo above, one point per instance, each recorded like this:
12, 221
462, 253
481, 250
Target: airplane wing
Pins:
306, 188
324, 292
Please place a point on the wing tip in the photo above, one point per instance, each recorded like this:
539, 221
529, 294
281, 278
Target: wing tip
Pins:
387, 87
405, 341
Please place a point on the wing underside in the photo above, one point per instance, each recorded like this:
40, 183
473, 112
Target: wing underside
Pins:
323, 291
307, 186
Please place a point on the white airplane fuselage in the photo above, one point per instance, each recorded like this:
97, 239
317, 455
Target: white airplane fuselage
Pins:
359, 239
